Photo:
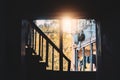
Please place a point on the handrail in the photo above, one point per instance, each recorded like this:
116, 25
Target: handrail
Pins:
50, 42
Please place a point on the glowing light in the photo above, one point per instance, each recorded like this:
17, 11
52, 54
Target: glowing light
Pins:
66, 24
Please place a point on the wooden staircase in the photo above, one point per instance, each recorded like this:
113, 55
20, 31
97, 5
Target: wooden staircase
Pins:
36, 69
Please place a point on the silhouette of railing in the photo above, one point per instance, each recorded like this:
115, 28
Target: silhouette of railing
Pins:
37, 40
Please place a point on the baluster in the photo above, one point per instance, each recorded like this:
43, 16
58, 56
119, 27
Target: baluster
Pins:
91, 53
83, 53
69, 63
76, 60
39, 44
35, 39
42, 48
47, 50
32, 36
52, 58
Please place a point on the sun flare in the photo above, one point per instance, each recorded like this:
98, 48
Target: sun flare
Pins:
66, 24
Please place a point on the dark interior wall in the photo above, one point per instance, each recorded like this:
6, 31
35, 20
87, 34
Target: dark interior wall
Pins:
13, 47
12, 13
109, 17
50, 8
110, 47
2, 41
108, 14
108, 58
105, 63
9, 42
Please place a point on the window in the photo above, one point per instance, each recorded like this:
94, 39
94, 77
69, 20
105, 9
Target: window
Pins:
79, 41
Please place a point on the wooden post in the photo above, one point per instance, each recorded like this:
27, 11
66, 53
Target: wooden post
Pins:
39, 44
76, 60
35, 39
52, 58
47, 50
32, 36
61, 45
83, 53
91, 52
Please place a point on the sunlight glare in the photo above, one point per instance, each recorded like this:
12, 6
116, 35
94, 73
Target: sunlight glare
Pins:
66, 24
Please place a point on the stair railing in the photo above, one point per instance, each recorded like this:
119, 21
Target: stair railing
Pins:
36, 40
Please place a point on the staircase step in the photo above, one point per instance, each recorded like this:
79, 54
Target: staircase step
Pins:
36, 58
30, 50
39, 66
